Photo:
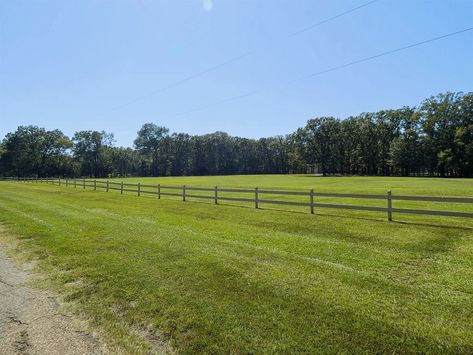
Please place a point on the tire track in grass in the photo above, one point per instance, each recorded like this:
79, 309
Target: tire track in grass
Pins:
233, 257
60, 211
284, 256
275, 252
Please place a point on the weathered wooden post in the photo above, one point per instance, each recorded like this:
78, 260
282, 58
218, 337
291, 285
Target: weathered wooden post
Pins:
159, 191
139, 189
216, 195
390, 206
256, 198
75, 183
95, 185
312, 201
121, 188
107, 186
183, 192
83, 183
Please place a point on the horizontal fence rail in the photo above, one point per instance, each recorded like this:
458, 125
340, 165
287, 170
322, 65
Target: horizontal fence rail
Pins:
311, 195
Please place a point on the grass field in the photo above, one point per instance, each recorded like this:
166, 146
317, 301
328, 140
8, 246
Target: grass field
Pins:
216, 279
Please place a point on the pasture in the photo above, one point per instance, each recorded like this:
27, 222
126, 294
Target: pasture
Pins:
196, 277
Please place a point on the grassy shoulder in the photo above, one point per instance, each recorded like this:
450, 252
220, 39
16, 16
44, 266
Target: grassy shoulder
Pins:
208, 278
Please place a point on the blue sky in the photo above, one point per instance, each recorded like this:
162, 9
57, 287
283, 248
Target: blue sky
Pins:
112, 65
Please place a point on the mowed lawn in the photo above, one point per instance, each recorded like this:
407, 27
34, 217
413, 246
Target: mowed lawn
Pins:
196, 277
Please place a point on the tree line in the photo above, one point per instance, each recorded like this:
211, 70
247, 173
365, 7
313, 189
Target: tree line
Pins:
433, 139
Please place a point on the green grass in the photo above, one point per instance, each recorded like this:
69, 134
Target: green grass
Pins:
218, 279
420, 186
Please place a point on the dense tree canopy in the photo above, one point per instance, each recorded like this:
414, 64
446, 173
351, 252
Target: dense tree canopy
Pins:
435, 139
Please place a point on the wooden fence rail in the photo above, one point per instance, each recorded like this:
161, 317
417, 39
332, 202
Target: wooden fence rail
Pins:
186, 192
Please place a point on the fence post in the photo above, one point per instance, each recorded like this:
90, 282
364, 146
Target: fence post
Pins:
75, 183
256, 198
390, 206
59, 181
121, 188
67, 182
159, 191
107, 185
95, 185
139, 189
183, 192
83, 183
216, 195
312, 201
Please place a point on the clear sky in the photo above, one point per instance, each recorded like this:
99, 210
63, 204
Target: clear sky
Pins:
115, 64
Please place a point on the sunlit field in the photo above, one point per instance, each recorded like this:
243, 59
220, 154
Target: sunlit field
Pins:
198, 277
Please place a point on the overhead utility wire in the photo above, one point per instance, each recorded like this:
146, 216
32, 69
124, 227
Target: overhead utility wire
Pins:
237, 97
308, 28
384, 54
237, 58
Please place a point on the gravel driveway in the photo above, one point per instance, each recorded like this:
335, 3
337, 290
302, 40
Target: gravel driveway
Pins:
33, 322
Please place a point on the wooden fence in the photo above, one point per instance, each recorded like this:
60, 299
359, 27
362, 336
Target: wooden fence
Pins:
185, 192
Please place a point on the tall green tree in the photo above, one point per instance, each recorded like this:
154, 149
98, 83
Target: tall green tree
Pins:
92, 151
34, 151
152, 144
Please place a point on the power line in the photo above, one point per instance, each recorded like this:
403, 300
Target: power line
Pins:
186, 79
308, 28
383, 54
366, 59
238, 57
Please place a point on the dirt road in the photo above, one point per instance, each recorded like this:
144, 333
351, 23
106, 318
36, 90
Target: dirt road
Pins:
33, 322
